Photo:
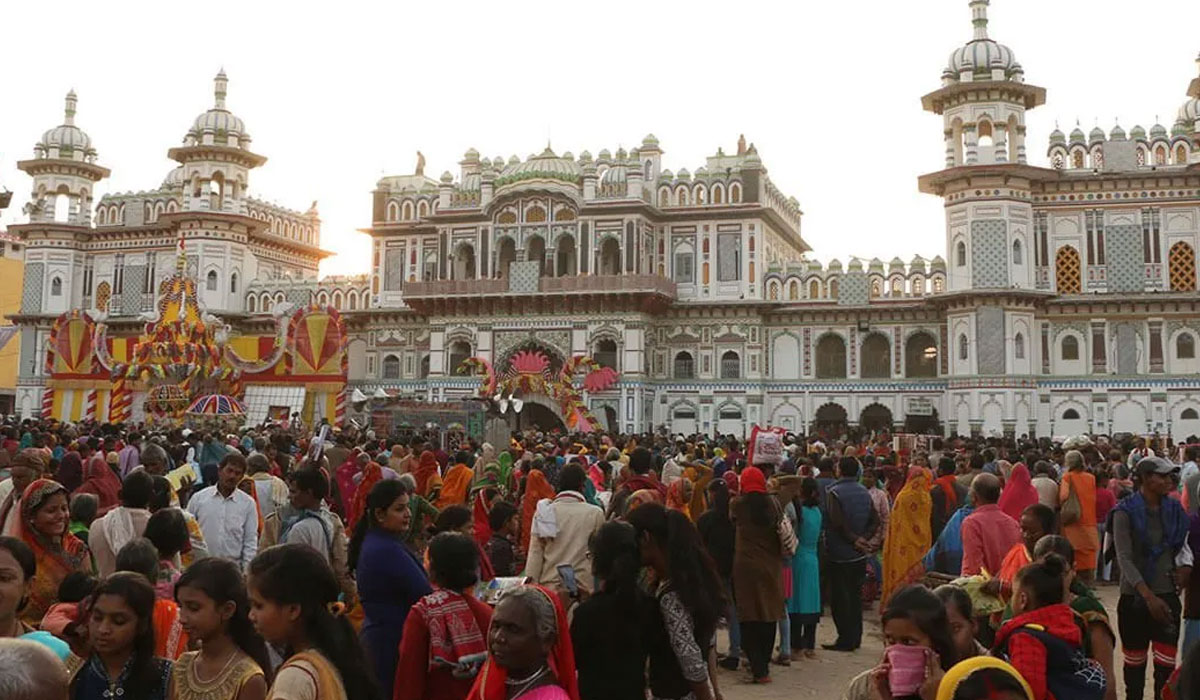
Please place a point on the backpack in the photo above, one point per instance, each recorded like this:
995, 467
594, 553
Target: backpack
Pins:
1069, 674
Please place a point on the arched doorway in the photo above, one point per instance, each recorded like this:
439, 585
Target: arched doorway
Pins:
507, 254
565, 256
536, 416
535, 251
927, 425
464, 262
831, 357
876, 357
830, 421
920, 355
876, 417
610, 257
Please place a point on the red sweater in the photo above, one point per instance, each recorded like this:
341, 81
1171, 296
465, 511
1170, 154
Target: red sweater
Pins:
1027, 654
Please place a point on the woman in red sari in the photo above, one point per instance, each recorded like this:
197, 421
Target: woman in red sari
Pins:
371, 475
45, 519
345, 481
99, 479
530, 656
1019, 492
426, 471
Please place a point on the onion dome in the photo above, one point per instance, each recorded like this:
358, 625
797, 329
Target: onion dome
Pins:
835, 265
1158, 131
1180, 129
982, 55
544, 166
1117, 133
683, 174
225, 128
174, 179
1077, 135
614, 175
814, 266
585, 157
1057, 136
666, 176
604, 155
513, 160
917, 264
650, 141
1190, 111
937, 263
896, 265
1096, 135
1137, 133
66, 141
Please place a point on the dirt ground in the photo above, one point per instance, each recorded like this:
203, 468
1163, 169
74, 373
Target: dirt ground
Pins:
828, 675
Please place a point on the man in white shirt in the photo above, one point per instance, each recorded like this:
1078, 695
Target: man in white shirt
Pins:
122, 524
561, 531
227, 515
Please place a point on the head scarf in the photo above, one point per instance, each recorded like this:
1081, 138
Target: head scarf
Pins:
752, 481
641, 498
427, 468
675, 496
345, 479
70, 471
964, 669
371, 475
455, 486
909, 534
731, 481
54, 559
536, 488
1019, 493
490, 683
99, 479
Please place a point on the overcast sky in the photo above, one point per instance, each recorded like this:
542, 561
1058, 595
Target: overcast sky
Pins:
336, 94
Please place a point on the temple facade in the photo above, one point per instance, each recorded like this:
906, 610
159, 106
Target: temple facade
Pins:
1063, 301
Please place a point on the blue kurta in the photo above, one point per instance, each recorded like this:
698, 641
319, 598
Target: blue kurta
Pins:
390, 580
805, 596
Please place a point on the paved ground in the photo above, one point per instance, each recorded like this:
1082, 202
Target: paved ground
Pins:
828, 675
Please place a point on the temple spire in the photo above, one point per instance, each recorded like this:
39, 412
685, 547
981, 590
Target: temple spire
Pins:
220, 84
979, 18
70, 109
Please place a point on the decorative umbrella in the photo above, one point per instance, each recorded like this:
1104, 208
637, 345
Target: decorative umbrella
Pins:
216, 405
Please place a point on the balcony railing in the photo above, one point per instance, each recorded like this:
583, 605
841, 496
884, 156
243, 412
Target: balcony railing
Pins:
578, 284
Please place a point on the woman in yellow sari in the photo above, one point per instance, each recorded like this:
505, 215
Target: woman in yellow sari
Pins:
1081, 531
909, 533
701, 476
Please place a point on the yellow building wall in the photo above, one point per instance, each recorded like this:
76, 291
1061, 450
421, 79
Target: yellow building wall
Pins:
12, 276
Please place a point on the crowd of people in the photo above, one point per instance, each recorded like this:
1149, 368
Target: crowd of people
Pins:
149, 563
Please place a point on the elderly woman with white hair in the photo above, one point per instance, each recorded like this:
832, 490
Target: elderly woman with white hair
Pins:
31, 671
529, 650
1077, 513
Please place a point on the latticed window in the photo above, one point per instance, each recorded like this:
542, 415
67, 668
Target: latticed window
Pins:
1067, 271
1182, 268
685, 366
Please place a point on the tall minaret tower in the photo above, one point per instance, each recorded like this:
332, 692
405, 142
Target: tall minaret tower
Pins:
986, 186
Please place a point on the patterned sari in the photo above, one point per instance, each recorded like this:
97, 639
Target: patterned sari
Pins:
909, 533
55, 559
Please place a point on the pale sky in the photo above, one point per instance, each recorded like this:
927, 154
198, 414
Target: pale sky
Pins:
338, 94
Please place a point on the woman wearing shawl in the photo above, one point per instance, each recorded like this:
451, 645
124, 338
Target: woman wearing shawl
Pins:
426, 471
70, 470
422, 513
371, 474
536, 488
99, 479
530, 656
487, 455
443, 645
44, 522
908, 536
640, 498
1083, 533
679, 495
455, 484
701, 476
505, 460
1019, 492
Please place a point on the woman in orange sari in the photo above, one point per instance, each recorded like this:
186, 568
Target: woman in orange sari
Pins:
455, 484
44, 527
536, 488
1082, 533
909, 533
247, 486
679, 495
701, 476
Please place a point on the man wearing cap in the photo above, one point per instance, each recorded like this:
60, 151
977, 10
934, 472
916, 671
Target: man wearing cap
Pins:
27, 466
1150, 532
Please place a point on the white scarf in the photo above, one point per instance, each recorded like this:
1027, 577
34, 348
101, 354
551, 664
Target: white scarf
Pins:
118, 525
